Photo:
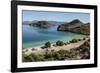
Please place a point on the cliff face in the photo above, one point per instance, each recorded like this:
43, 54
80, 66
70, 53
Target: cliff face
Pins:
42, 24
75, 26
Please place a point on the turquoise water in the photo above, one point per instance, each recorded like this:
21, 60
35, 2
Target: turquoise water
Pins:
32, 36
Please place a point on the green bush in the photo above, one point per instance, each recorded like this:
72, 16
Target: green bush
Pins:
59, 43
56, 56
26, 58
64, 53
74, 41
32, 57
47, 44
73, 52
36, 57
84, 38
79, 39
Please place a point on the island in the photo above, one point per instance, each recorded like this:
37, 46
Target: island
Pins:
42, 24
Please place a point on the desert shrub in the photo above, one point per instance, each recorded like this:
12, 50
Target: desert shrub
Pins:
74, 41
79, 39
48, 55
47, 44
57, 56
50, 59
26, 58
84, 38
36, 57
64, 53
74, 52
59, 43
54, 56
87, 44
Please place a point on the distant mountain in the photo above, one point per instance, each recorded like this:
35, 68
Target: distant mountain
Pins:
26, 22
45, 24
56, 22
42, 24
51, 22
75, 26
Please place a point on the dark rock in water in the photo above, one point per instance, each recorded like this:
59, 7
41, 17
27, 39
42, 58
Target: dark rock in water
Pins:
42, 24
75, 26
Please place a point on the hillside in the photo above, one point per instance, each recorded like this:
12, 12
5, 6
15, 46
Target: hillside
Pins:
75, 26
42, 24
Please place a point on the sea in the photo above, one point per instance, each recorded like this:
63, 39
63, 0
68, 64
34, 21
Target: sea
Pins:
34, 36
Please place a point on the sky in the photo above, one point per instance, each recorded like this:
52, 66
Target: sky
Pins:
31, 15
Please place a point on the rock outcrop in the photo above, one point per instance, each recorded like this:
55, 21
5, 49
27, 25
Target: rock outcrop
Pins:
75, 26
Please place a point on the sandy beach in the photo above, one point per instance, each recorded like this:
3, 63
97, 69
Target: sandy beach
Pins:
68, 46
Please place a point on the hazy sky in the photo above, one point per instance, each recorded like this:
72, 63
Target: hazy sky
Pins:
30, 15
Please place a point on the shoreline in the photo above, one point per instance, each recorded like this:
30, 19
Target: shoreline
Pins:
53, 41
68, 46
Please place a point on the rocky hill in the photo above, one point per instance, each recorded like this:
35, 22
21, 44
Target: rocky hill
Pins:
42, 24
75, 26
